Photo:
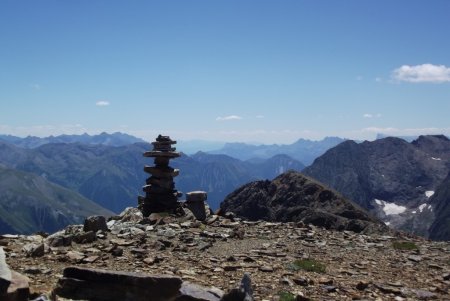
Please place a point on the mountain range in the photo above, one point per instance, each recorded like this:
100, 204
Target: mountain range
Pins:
302, 150
392, 178
405, 184
113, 176
114, 139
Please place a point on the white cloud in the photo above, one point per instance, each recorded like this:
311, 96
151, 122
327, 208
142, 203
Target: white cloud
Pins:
425, 73
102, 103
35, 86
378, 79
227, 118
368, 115
359, 78
259, 116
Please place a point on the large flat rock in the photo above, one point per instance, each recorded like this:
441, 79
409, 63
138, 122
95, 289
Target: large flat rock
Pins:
99, 285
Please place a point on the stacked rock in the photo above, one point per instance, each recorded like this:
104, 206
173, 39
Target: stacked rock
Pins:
160, 192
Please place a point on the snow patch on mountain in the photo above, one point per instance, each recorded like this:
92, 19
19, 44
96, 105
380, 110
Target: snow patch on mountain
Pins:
429, 193
390, 208
421, 207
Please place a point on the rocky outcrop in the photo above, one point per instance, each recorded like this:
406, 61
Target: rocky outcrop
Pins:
390, 177
295, 197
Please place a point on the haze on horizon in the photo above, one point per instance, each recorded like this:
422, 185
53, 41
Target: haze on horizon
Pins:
248, 71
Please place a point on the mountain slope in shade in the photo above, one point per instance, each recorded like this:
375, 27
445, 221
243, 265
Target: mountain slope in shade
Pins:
114, 139
440, 229
220, 175
302, 150
295, 197
391, 177
29, 203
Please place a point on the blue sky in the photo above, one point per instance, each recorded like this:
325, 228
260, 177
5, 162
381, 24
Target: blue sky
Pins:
259, 71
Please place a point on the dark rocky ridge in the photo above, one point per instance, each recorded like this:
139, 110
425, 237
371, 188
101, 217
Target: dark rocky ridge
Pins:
295, 197
440, 229
391, 171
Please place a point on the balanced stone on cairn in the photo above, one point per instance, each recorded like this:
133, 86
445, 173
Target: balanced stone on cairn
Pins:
195, 201
160, 192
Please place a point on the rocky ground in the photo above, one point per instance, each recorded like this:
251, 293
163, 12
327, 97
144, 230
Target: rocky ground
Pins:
219, 251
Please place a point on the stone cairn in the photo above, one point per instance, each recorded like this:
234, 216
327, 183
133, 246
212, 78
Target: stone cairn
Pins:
160, 192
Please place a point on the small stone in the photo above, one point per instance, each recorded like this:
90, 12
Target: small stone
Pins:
59, 240
34, 250
425, 295
229, 268
435, 266
95, 223
362, 285
248, 259
415, 258
286, 281
85, 238
301, 297
150, 260
193, 292
325, 281
266, 268
231, 258
187, 272
243, 293
90, 259
117, 252
32, 270
301, 281
329, 288
75, 256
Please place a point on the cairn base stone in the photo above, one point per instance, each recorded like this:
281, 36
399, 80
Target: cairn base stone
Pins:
195, 201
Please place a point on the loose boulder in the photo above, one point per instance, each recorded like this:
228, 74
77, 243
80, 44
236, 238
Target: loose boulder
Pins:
95, 223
